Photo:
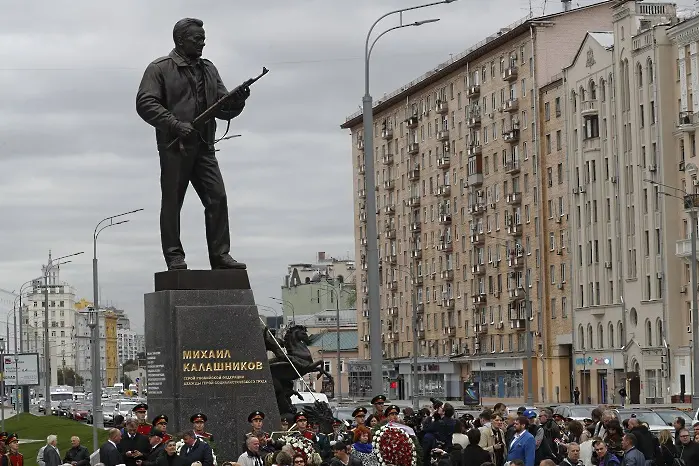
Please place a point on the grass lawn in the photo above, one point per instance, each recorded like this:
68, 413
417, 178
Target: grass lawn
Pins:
31, 427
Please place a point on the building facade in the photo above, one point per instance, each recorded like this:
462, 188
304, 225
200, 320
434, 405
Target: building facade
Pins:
621, 116
129, 344
108, 349
463, 216
310, 288
684, 38
62, 316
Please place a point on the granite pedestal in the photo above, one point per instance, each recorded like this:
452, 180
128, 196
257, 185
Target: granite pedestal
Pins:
205, 353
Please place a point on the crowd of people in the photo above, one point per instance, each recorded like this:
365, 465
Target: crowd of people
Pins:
497, 437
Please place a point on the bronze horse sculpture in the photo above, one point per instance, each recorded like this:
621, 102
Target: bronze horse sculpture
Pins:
296, 363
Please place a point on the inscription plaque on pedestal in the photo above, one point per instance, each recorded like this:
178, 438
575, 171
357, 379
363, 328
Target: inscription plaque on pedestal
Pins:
205, 353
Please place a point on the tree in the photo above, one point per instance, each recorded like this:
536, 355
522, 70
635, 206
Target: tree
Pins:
67, 376
130, 365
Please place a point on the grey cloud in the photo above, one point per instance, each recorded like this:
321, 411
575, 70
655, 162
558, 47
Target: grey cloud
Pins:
73, 150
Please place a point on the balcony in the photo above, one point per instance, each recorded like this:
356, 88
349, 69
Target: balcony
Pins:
477, 209
443, 135
389, 210
516, 294
683, 248
589, 108
412, 121
393, 260
421, 334
474, 149
511, 136
480, 329
441, 106
391, 336
447, 275
591, 144
477, 239
393, 285
415, 227
516, 261
361, 169
449, 303
387, 159
390, 232
473, 91
443, 162
449, 331
474, 120
416, 253
417, 281
444, 190
414, 174
478, 269
363, 241
475, 179
514, 230
361, 193
420, 307
686, 122
393, 311
480, 298
445, 246
389, 185
387, 133
414, 201
511, 105
510, 74
514, 198
445, 219
518, 324
360, 144
512, 167
413, 148
362, 216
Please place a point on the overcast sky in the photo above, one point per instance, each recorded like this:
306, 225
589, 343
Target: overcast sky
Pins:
73, 150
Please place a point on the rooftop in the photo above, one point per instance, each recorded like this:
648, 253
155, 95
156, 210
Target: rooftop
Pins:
458, 61
327, 341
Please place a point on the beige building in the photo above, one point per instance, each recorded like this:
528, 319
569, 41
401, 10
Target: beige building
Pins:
621, 115
684, 37
463, 214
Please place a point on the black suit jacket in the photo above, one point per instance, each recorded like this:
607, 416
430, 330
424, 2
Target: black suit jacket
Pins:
153, 455
110, 455
200, 451
138, 442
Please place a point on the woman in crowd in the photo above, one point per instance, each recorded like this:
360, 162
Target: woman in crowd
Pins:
362, 449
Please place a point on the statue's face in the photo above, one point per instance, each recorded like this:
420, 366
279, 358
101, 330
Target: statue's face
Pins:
193, 43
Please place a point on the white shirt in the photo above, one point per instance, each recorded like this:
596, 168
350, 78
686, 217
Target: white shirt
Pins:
514, 439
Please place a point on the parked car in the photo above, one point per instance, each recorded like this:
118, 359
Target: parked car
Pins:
124, 408
108, 413
64, 408
670, 414
654, 421
575, 412
81, 411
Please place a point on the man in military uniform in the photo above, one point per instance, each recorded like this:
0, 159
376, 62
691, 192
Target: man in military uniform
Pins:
256, 419
160, 423
198, 421
391, 414
378, 401
13, 457
359, 416
302, 426
140, 411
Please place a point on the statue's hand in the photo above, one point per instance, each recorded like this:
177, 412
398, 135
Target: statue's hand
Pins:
241, 94
184, 129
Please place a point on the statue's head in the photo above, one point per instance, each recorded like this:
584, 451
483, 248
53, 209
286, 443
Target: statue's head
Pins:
189, 37
298, 333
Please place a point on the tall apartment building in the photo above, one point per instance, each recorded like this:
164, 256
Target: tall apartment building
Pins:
62, 315
621, 115
129, 344
684, 38
462, 166
109, 367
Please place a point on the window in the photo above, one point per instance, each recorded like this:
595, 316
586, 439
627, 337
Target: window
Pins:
559, 140
548, 144
547, 111
558, 107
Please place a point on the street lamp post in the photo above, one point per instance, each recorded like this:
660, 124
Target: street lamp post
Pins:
97, 418
24, 388
370, 181
52, 263
284, 302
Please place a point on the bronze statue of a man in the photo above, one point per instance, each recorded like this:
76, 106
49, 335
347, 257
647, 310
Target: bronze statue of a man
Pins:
175, 89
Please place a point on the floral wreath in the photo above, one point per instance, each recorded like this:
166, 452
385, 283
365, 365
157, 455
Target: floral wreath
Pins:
303, 447
180, 443
394, 447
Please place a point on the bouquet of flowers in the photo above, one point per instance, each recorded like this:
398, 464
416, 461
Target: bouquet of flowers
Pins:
180, 444
304, 447
394, 447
